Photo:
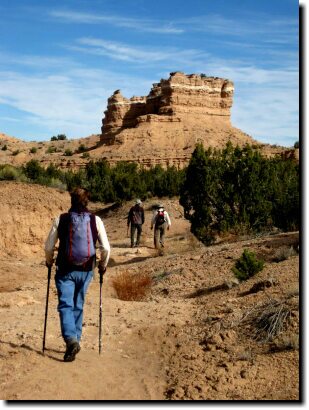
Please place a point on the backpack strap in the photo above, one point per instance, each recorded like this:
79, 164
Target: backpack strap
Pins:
63, 226
94, 228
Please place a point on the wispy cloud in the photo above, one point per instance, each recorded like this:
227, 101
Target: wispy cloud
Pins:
267, 29
151, 26
264, 28
71, 101
125, 52
10, 119
35, 62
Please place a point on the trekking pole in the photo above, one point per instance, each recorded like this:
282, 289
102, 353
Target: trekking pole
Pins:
46, 307
100, 324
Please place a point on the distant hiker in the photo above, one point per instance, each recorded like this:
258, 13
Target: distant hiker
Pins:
136, 219
161, 221
78, 230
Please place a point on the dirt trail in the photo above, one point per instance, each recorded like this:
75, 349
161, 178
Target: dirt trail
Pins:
131, 365
185, 341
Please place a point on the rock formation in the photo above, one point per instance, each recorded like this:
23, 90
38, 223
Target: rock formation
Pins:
164, 127
161, 128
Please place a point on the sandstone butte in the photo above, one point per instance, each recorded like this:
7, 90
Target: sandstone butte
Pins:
160, 128
165, 126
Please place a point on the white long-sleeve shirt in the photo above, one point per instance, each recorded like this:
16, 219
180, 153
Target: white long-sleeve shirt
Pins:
52, 239
166, 217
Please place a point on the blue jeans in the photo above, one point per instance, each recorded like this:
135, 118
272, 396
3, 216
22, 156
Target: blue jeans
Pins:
72, 288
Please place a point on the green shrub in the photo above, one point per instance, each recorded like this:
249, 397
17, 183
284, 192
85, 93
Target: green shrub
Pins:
4, 148
81, 148
68, 152
50, 150
33, 150
86, 155
247, 265
33, 170
15, 152
9, 173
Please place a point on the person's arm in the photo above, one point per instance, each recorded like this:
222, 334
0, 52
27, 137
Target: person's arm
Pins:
153, 220
143, 216
51, 242
104, 246
168, 219
129, 217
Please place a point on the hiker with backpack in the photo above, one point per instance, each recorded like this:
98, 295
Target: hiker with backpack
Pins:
78, 231
160, 221
136, 218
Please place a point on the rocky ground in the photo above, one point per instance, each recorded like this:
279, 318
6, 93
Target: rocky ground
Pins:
196, 336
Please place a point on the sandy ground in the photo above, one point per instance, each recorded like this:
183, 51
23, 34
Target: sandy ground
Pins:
188, 340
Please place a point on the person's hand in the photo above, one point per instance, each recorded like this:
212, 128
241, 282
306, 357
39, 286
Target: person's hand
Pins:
168, 228
102, 269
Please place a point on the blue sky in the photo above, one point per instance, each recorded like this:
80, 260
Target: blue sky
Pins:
61, 60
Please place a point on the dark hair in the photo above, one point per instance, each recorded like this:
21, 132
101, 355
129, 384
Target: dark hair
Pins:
79, 198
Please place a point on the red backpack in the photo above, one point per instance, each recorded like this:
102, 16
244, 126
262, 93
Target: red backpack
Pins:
160, 218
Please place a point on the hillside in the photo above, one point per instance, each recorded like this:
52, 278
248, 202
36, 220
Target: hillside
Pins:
18, 152
192, 338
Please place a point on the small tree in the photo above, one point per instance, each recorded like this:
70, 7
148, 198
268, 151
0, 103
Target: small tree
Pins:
81, 148
33, 170
247, 265
61, 137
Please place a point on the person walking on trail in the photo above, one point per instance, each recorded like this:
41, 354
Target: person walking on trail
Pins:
78, 231
161, 221
136, 218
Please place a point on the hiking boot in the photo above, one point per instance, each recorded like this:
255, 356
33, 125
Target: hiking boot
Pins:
72, 350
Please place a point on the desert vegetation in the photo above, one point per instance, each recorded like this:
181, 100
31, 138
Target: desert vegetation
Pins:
59, 137
238, 190
247, 265
232, 190
132, 286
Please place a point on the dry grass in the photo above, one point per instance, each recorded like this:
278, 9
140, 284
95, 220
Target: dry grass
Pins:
270, 319
284, 253
178, 244
132, 286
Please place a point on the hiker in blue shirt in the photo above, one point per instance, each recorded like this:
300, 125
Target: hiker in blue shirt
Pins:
78, 230
136, 218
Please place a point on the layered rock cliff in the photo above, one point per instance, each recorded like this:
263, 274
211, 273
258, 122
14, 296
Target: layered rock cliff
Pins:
164, 126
